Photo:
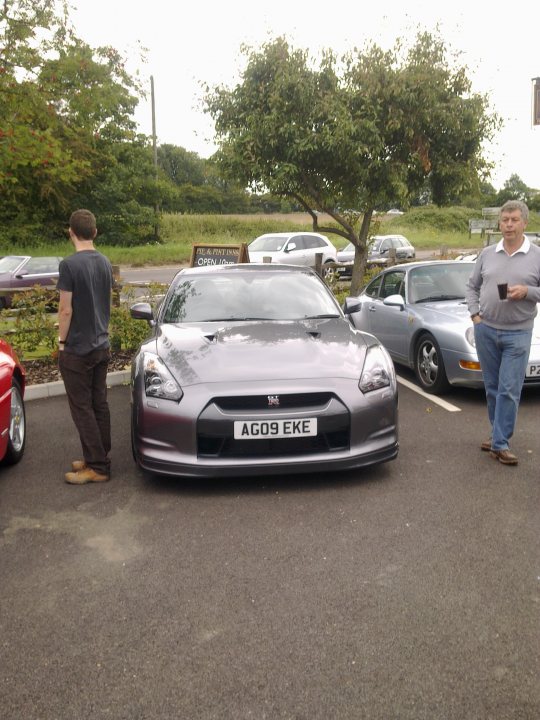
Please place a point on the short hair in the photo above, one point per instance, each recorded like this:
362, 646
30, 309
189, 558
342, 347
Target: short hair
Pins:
512, 205
83, 224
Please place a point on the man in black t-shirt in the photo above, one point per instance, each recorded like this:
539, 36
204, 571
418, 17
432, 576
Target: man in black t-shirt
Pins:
85, 285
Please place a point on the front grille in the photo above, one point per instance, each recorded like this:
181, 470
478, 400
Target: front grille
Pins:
221, 447
260, 402
215, 426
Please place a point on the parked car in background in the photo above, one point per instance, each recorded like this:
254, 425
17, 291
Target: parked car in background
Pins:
254, 369
418, 312
23, 271
378, 252
12, 415
292, 248
394, 211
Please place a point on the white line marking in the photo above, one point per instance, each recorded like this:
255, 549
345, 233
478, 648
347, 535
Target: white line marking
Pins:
433, 398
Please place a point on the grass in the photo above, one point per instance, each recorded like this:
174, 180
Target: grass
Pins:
428, 228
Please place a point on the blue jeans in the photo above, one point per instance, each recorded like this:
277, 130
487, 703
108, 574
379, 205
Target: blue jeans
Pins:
503, 356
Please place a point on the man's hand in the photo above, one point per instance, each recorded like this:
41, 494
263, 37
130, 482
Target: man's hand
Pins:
517, 292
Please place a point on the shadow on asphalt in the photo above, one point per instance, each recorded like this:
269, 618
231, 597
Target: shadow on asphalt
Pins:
270, 484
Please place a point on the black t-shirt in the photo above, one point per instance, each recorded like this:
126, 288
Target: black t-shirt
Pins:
88, 276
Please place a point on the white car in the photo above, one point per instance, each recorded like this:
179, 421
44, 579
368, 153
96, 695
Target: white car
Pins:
292, 248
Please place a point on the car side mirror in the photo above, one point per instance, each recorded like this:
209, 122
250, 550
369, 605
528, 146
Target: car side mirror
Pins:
395, 301
352, 305
142, 311
290, 246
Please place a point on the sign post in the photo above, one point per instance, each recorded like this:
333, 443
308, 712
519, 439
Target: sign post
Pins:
203, 255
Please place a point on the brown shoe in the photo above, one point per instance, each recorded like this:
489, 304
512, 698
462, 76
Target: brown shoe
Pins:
81, 477
486, 445
504, 456
77, 465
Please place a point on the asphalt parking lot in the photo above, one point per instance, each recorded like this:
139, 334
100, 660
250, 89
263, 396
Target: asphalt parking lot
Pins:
406, 591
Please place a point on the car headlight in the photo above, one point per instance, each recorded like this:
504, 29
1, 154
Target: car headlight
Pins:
158, 380
469, 336
378, 370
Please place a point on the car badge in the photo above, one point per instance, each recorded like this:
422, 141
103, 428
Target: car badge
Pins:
273, 400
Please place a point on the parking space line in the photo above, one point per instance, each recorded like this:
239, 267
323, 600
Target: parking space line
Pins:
433, 398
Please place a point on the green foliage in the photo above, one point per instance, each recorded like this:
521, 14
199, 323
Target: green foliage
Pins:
125, 332
34, 325
64, 107
452, 219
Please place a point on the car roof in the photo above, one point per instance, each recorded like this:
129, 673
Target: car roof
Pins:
288, 234
247, 267
426, 263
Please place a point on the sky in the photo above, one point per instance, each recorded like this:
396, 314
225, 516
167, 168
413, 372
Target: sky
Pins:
194, 44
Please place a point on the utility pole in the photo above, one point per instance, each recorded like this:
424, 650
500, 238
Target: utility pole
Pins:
154, 145
536, 101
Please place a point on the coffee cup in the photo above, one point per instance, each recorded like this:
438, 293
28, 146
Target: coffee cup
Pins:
503, 290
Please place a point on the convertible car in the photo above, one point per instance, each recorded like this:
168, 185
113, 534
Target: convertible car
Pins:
419, 314
253, 369
12, 416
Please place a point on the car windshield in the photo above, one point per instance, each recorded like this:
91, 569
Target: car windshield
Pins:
268, 243
249, 296
440, 281
10, 263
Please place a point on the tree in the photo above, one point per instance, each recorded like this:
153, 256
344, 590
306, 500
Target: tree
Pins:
515, 189
63, 108
359, 134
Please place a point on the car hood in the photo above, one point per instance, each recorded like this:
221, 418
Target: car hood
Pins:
456, 309
210, 352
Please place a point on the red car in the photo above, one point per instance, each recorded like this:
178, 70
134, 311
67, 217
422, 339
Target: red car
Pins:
12, 415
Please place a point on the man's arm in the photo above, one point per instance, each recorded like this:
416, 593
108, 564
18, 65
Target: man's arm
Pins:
472, 293
65, 312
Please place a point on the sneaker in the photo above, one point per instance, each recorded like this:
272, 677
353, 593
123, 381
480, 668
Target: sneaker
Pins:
77, 465
486, 445
81, 477
504, 456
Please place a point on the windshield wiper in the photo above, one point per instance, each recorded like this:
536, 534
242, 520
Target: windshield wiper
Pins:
320, 317
432, 298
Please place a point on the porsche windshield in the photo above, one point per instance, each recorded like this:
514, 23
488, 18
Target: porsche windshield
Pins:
439, 281
249, 296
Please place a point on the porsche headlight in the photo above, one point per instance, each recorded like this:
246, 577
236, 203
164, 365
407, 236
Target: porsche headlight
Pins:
158, 380
469, 336
378, 371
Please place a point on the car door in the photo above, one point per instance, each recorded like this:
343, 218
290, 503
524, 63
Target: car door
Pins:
389, 323
37, 271
299, 255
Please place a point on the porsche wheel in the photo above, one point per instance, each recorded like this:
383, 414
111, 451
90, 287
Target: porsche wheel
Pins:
429, 366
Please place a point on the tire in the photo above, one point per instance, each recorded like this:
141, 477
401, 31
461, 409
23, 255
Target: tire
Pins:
429, 366
17, 426
328, 273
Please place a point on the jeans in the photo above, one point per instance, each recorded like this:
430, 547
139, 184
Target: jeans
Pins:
85, 380
503, 356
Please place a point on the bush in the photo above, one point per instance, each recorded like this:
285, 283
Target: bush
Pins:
34, 325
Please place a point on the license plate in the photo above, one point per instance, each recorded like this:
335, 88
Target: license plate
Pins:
533, 370
261, 429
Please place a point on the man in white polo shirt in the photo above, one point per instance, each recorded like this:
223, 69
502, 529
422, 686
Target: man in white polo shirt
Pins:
502, 293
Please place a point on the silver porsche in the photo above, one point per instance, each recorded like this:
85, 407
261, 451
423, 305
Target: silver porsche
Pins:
418, 312
253, 369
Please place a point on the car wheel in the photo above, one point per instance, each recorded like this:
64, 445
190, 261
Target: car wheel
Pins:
429, 366
17, 426
329, 273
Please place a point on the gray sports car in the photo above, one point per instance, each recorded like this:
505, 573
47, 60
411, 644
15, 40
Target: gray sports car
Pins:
253, 369
419, 314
